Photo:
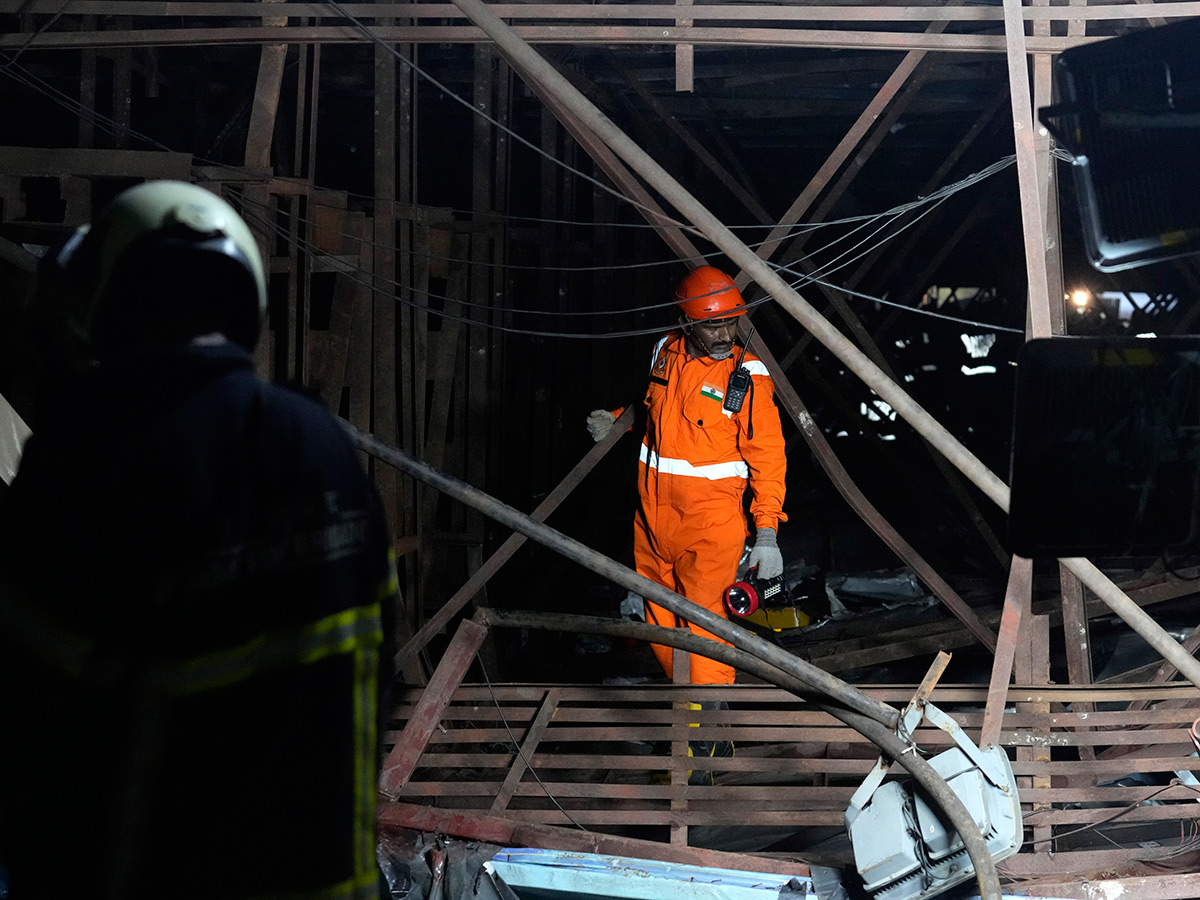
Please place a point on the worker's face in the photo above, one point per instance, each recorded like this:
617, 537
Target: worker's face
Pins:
711, 337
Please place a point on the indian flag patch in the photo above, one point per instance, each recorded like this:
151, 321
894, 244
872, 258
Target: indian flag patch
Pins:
711, 390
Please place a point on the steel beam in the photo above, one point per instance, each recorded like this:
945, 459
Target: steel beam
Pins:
398, 767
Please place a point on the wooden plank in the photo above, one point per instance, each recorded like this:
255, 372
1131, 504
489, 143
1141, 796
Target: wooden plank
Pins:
595, 761
122, 90
681, 674
943, 693
1047, 178
766, 734
831, 797
359, 366
1077, 638
62, 161
483, 193
685, 56
866, 12
1043, 819
87, 89
328, 351
1107, 723
400, 762
1016, 603
1180, 886
506, 832
1028, 865
415, 365
605, 34
384, 414
1119, 766
412, 270
526, 749
671, 818
445, 371
1027, 175
265, 108
291, 330
1110, 794
1032, 666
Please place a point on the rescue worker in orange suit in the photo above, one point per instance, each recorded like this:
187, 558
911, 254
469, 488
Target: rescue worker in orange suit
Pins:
697, 459
195, 574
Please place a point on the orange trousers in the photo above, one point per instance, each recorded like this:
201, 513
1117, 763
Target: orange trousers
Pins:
695, 555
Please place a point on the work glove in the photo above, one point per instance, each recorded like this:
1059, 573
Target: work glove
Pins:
600, 422
766, 556
633, 607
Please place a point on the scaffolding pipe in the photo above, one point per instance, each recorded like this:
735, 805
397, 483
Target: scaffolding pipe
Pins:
774, 659
888, 742
553, 82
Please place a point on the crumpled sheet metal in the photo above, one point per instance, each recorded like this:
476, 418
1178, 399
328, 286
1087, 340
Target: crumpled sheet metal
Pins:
13, 434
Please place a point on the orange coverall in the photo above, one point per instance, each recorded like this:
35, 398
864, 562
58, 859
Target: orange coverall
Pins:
695, 462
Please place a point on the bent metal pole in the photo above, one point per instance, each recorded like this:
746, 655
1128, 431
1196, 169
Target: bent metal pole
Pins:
771, 657
550, 80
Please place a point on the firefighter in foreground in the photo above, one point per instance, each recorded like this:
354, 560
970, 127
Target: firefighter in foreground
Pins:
696, 461
194, 565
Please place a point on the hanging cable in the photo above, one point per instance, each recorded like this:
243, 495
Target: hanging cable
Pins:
666, 219
27, 79
521, 751
357, 276
33, 37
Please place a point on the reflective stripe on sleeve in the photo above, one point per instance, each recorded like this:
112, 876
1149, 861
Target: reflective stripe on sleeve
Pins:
342, 632
757, 367
713, 471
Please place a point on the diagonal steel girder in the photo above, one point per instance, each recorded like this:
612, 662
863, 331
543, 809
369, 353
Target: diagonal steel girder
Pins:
538, 69
789, 398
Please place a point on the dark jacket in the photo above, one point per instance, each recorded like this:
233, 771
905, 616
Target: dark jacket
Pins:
193, 567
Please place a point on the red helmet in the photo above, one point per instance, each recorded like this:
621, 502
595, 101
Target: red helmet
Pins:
708, 293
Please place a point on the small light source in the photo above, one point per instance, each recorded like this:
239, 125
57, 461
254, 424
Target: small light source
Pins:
1081, 297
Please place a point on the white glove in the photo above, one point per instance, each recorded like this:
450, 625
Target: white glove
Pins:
766, 556
600, 422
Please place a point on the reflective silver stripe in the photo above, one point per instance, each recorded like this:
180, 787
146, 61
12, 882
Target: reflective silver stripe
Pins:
713, 471
657, 349
757, 367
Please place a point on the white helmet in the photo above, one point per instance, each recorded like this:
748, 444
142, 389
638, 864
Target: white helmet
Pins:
163, 262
